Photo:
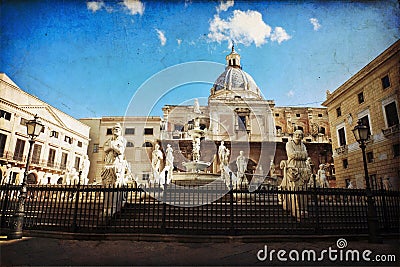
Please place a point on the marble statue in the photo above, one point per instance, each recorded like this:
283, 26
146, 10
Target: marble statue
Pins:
114, 148
222, 152
169, 160
321, 177
387, 185
170, 156
272, 169
85, 170
196, 106
241, 163
350, 185
156, 157
297, 172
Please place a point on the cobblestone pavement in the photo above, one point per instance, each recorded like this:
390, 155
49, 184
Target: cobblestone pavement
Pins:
56, 252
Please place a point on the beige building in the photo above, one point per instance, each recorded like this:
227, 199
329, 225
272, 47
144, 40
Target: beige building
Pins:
372, 96
141, 134
61, 147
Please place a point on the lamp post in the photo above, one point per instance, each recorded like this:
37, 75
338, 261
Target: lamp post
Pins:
361, 135
34, 128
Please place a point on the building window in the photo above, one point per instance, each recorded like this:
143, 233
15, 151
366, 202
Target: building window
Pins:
68, 139
241, 123
64, 159
319, 115
79, 144
345, 163
109, 131
391, 115
5, 115
3, 139
276, 114
285, 140
51, 158
370, 157
130, 131
147, 144
19, 150
385, 82
148, 131
300, 128
360, 97
278, 130
129, 144
95, 148
77, 162
341, 137
145, 176
179, 128
338, 112
321, 130
396, 150
37, 149
54, 134
298, 115
23, 121
365, 121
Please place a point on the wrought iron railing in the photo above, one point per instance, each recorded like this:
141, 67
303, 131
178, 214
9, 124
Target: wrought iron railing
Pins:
199, 210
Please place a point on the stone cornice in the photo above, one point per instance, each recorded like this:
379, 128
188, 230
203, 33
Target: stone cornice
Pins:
44, 103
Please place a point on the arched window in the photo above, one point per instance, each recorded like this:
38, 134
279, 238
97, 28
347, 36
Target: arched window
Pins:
129, 144
147, 144
31, 179
322, 130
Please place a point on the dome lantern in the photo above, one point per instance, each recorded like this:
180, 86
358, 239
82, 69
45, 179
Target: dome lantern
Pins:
233, 59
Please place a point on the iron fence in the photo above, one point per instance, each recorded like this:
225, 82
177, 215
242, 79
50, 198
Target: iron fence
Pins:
214, 209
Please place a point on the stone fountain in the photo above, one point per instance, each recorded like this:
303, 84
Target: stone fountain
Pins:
196, 165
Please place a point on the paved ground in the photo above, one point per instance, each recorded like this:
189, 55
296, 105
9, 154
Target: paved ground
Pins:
56, 252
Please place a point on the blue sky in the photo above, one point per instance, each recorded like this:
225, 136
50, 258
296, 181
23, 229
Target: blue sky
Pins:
89, 58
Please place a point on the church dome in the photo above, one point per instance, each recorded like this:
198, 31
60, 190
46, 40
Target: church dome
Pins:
234, 81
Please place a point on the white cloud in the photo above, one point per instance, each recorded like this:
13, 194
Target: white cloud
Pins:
290, 93
315, 23
161, 36
280, 35
134, 6
179, 41
223, 6
244, 27
95, 5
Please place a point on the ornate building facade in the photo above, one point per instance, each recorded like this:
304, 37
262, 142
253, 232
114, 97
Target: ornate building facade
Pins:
372, 96
238, 115
60, 147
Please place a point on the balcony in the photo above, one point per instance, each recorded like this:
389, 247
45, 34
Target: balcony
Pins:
391, 130
342, 150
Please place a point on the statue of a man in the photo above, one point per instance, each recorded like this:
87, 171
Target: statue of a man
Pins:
241, 163
298, 171
222, 152
156, 157
297, 174
114, 161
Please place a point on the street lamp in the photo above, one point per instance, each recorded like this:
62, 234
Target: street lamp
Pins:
34, 128
361, 134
